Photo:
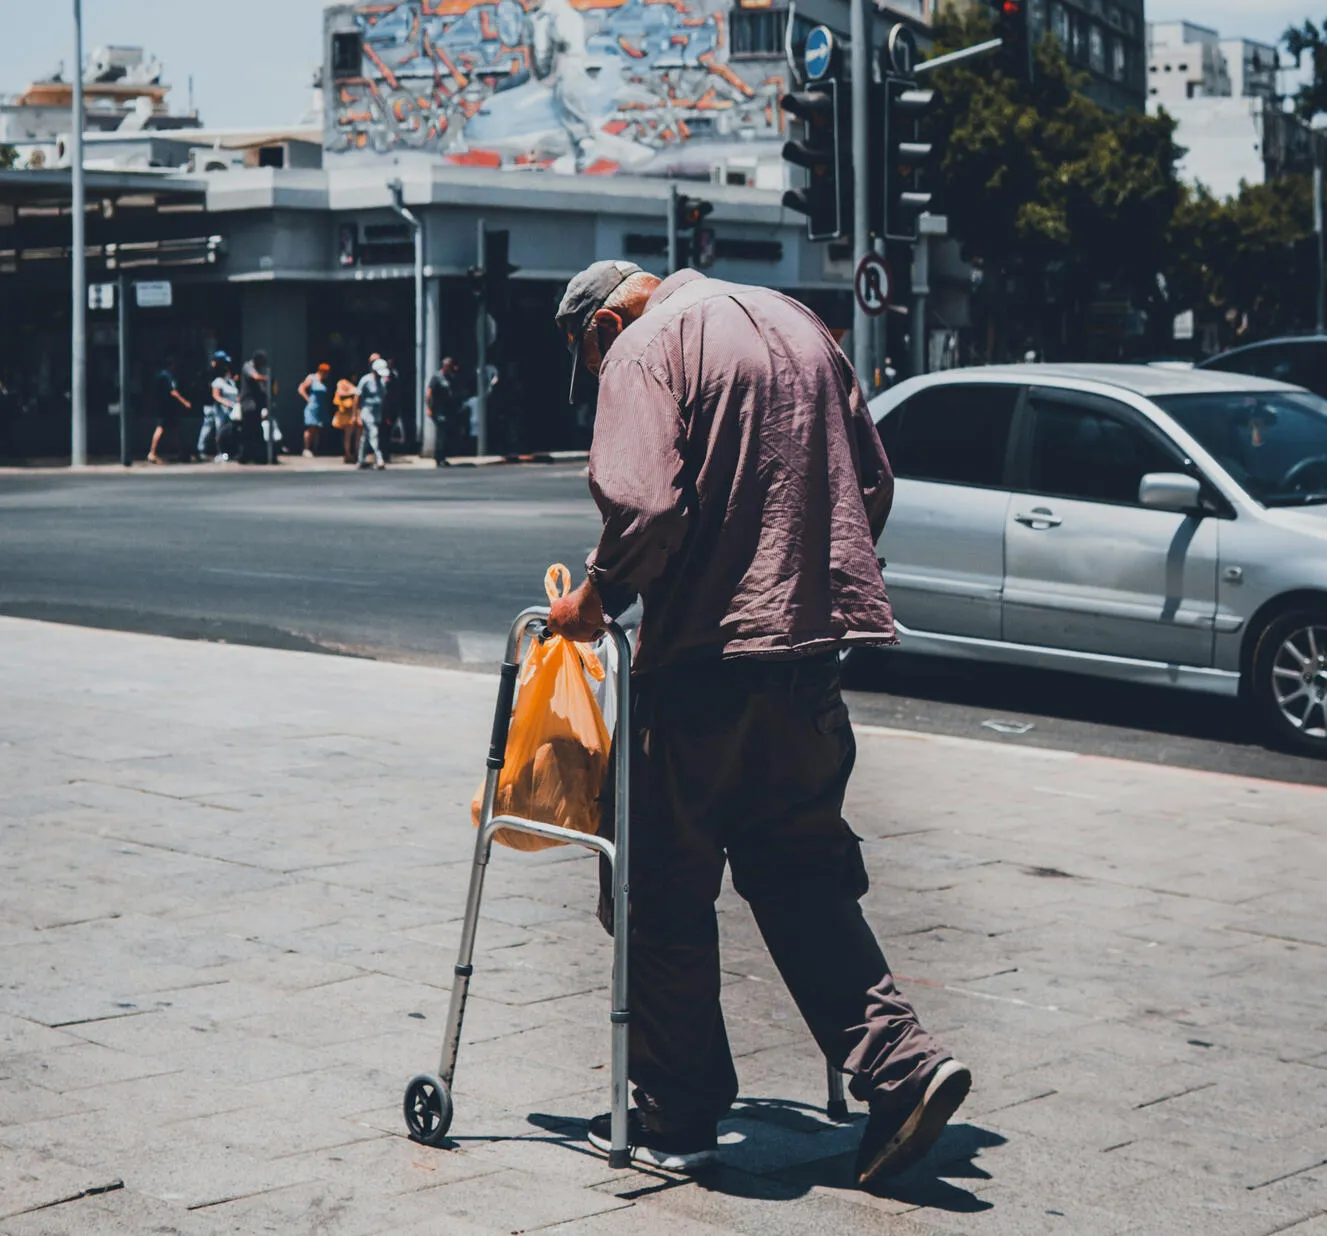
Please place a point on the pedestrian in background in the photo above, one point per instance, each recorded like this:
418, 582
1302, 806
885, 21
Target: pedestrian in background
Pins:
316, 395
743, 487
216, 412
170, 406
345, 418
226, 402
253, 403
393, 420
370, 400
444, 406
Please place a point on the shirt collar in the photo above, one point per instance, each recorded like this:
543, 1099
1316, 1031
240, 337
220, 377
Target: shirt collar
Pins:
669, 286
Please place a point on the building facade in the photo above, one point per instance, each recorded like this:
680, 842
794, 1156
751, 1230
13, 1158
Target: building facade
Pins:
1222, 93
562, 124
1106, 39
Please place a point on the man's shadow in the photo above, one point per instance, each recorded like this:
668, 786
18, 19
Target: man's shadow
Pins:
776, 1149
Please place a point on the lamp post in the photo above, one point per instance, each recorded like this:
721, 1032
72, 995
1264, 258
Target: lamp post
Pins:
78, 377
421, 377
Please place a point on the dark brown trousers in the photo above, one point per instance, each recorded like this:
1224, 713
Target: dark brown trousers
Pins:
746, 762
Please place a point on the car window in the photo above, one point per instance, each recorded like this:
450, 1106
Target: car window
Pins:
1297, 363
1272, 443
1083, 451
956, 433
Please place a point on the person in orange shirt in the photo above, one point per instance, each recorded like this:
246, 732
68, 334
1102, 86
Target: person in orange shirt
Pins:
345, 419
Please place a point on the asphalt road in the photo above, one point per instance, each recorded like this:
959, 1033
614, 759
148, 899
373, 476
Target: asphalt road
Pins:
418, 565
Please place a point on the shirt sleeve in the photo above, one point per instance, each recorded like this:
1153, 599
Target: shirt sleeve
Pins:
637, 479
873, 470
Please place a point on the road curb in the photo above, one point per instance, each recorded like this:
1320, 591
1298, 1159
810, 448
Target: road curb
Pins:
287, 465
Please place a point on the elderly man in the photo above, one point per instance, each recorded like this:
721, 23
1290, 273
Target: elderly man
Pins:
742, 487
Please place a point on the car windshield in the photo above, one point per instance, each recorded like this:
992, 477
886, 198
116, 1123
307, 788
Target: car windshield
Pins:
1273, 443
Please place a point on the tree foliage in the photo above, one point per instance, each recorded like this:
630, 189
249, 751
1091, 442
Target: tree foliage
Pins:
1054, 197
1311, 97
1250, 261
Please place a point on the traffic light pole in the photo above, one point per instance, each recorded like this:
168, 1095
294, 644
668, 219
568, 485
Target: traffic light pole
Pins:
859, 30
966, 53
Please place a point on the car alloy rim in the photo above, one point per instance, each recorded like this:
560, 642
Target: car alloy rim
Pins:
1299, 680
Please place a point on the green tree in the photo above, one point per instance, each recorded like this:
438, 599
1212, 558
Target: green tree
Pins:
1053, 197
1244, 260
1311, 97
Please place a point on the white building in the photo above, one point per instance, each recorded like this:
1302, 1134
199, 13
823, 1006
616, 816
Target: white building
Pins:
1220, 91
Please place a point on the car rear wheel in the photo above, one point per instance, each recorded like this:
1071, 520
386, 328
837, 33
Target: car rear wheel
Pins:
1290, 681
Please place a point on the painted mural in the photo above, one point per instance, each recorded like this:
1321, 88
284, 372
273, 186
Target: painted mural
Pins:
592, 86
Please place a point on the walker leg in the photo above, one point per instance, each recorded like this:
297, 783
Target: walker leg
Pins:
837, 1106
451, 1040
620, 1153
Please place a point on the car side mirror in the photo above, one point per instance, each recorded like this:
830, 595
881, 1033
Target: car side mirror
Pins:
1171, 491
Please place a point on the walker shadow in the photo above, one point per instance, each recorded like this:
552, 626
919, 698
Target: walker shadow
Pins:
776, 1149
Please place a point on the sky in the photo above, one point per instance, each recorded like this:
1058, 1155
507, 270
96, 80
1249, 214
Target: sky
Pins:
252, 60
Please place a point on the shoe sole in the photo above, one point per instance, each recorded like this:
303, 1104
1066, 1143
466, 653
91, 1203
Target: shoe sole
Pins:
669, 1161
943, 1097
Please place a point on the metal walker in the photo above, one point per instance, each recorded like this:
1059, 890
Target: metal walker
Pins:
428, 1097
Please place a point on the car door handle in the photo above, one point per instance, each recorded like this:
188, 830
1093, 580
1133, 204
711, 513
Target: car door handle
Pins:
1040, 518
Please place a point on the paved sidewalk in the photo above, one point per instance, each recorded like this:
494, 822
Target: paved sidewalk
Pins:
232, 882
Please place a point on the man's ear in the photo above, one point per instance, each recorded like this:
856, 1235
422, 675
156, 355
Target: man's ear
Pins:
608, 325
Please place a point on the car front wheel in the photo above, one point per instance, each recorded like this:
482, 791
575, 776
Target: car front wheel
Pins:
1290, 680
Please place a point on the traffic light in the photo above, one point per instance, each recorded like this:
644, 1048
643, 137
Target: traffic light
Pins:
497, 270
907, 156
824, 152
691, 211
1011, 24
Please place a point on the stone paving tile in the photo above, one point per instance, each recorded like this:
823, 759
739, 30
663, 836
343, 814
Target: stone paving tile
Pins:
123, 1212
216, 938
30, 1180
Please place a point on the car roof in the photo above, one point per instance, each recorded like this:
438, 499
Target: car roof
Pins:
1148, 381
1279, 341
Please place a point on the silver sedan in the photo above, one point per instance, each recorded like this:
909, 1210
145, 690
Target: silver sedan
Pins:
1138, 523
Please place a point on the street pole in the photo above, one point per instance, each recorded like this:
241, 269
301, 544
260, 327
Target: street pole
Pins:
860, 28
421, 378
126, 437
78, 360
921, 288
1318, 228
481, 350
672, 227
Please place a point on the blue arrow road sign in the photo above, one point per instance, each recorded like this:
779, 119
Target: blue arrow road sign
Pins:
819, 52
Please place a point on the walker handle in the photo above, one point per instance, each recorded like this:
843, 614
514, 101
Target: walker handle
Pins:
497, 747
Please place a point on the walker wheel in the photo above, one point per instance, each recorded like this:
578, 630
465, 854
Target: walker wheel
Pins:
428, 1109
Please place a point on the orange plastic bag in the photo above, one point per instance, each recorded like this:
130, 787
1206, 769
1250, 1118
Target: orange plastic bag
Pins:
558, 744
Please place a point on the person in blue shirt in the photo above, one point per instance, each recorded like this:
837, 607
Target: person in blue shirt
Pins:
317, 396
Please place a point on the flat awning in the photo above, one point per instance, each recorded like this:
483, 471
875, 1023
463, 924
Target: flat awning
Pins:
47, 189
